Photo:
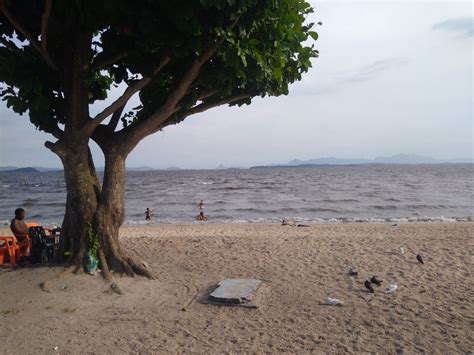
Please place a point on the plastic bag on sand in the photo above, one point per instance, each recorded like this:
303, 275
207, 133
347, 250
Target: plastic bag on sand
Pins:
333, 302
391, 288
92, 263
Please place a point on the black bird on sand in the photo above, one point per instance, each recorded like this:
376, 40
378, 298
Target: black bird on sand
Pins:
368, 286
375, 280
420, 259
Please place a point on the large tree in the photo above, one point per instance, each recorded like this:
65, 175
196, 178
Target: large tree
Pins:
181, 57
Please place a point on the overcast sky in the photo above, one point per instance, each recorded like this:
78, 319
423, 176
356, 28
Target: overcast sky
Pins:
392, 77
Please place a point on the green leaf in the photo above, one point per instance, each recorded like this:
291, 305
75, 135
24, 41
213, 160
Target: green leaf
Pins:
314, 35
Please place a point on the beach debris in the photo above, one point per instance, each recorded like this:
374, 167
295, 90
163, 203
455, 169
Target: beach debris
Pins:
333, 302
235, 291
368, 286
353, 271
287, 222
395, 225
419, 258
302, 225
392, 287
56, 348
375, 280
402, 250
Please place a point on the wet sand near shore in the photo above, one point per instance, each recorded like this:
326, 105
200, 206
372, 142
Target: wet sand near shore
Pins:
431, 311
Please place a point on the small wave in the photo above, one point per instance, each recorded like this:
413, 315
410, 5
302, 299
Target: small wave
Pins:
321, 209
419, 206
231, 188
226, 219
384, 207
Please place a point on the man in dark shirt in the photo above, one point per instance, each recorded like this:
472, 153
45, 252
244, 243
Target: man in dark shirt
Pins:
18, 225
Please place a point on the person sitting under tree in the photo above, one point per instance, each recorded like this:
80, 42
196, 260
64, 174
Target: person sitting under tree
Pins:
18, 225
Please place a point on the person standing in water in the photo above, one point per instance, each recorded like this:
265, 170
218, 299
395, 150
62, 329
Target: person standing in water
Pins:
201, 216
148, 214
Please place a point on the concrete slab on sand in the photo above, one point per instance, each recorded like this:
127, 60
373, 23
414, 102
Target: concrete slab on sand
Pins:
235, 292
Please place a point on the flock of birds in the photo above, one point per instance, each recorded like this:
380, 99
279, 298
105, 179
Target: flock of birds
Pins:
374, 280
392, 287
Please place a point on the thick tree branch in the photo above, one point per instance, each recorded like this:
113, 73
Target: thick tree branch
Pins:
115, 119
44, 27
54, 147
133, 134
100, 63
122, 100
208, 105
56, 132
201, 108
28, 35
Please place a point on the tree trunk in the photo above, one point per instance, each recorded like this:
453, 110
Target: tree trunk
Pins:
83, 189
110, 216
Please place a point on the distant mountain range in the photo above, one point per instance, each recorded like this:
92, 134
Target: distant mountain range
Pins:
330, 161
395, 159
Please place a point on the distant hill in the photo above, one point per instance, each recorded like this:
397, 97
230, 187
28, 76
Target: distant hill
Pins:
328, 161
222, 167
140, 168
21, 170
395, 159
36, 169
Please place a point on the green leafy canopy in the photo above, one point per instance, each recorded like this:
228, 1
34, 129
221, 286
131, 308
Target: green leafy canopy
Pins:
261, 48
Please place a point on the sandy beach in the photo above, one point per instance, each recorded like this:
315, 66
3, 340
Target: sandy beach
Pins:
431, 311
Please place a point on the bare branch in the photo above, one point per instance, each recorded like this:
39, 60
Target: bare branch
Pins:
207, 93
28, 35
208, 105
115, 119
100, 63
44, 27
122, 100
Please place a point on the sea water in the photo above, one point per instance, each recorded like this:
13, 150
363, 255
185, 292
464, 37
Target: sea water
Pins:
385, 193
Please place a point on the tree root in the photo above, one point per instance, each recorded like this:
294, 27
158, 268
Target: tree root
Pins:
141, 269
115, 288
125, 266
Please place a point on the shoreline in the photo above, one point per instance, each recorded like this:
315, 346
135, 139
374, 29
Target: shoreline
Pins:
332, 221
